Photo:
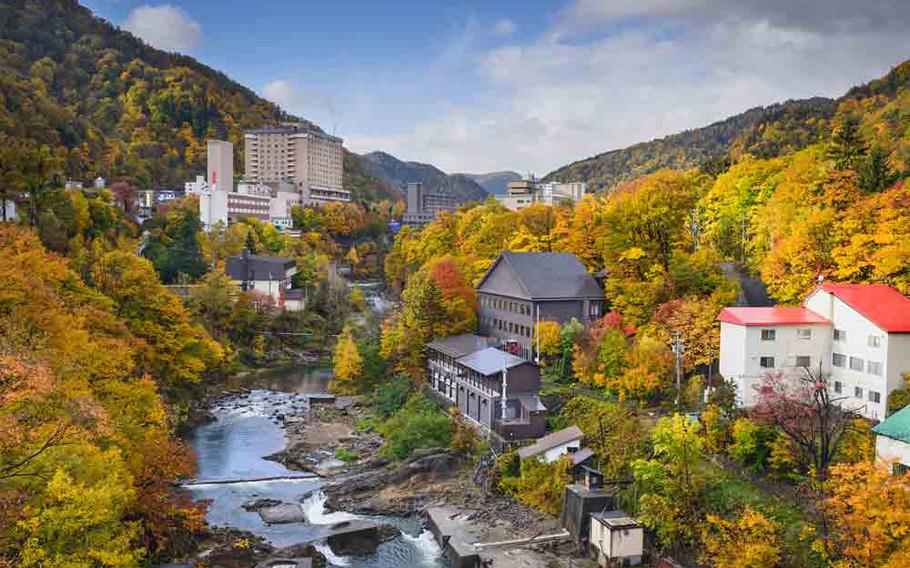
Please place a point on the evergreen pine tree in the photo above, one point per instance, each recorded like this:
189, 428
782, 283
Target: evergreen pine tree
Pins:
874, 174
251, 242
847, 146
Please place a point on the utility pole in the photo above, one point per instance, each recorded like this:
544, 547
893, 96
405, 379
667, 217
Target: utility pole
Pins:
678, 349
505, 384
537, 336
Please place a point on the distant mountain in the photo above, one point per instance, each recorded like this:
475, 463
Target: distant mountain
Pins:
494, 182
105, 103
763, 132
399, 173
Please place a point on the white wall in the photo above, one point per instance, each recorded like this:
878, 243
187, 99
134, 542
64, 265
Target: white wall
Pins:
888, 450
893, 354
553, 454
742, 347
615, 544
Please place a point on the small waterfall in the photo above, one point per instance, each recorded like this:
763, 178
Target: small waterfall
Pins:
314, 509
426, 544
330, 557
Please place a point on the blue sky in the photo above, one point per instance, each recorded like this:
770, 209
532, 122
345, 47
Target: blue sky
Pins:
526, 85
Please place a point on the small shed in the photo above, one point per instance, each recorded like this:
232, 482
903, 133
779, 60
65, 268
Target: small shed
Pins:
616, 539
552, 446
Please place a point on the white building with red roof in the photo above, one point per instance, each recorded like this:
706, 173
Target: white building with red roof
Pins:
857, 334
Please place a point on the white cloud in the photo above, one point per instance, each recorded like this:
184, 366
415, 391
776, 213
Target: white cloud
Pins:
302, 102
504, 27
164, 27
648, 68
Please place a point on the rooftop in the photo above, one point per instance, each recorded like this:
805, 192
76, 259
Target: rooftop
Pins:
771, 316
490, 361
551, 441
548, 275
881, 304
896, 426
460, 345
616, 519
255, 266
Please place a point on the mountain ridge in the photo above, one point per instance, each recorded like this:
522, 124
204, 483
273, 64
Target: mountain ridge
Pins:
496, 183
399, 173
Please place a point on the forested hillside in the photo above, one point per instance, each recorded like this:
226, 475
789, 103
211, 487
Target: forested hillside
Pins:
763, 132
400, 173
83, 98
495, 182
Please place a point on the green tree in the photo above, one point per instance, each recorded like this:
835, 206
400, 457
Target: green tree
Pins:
874, 173
847, 147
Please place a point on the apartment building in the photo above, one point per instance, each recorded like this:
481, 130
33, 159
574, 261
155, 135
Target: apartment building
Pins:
220, 164
423, 205
247, 200
857, 334
521, 288
525, 192
300, 154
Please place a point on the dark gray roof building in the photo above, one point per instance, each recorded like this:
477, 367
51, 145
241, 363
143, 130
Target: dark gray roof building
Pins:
458, 346
544, 276
258, 267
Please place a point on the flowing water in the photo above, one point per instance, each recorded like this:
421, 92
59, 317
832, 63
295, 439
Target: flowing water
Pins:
247, 429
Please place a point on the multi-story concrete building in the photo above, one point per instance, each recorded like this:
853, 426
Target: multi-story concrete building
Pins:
424, 205
858, 335
220, 164
522, 288
492, 388
248, 200
300, 154
525, 192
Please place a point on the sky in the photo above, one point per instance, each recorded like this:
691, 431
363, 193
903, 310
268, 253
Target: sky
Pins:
526, 85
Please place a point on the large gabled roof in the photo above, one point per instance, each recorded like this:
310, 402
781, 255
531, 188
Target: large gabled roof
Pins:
771, 316
261, 267
896, 426
548, 275
881, 304
460, 345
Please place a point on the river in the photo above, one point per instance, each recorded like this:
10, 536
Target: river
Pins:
233, 447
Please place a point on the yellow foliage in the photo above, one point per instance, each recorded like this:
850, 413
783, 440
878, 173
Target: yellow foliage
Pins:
750, 541
347, 364
547, 336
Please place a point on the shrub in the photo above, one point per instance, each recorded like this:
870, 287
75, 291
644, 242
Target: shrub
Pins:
389, 397
540, 485
750, 444
417, 424
345, 455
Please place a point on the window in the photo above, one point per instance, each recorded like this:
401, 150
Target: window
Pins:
839, 360
875, 341
804, 333
768, 334
900, 469
840, 335
858, 392
875, 397
803, 361
766, 362
838, 387
857, 364
874, 368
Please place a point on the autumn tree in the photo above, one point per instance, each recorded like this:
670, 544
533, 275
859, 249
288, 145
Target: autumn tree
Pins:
669, 483
807, 411
612, 430
867, 514
547, 335
347, 364
750, 541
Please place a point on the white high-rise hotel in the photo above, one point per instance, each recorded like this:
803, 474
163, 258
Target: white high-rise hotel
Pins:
858, 335
299, 154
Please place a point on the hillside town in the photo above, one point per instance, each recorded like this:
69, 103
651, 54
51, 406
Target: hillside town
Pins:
236, 331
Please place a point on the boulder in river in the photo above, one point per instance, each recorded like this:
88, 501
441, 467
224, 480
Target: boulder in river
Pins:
283, 513
257, 504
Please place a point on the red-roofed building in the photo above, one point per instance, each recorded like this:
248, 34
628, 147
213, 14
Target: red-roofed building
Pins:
857, 334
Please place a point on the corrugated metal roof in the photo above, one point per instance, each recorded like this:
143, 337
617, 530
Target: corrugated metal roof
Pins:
490, 361
896, 426
771, 316
460, 345
882, 305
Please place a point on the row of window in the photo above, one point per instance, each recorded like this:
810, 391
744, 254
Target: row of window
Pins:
767, 362
806, 333
856, 364
502, 325
873, 396
506, 305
